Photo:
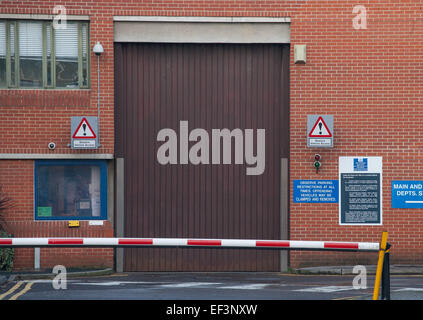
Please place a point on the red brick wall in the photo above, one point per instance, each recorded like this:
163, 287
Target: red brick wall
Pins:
370, 80
17, 179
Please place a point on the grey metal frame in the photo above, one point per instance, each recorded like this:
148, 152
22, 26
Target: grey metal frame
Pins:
14, 82
284, 212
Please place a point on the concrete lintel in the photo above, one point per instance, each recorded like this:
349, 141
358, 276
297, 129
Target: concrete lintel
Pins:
20, 16
247, 32
203, 19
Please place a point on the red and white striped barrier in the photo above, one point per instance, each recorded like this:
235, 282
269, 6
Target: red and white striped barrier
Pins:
176, 242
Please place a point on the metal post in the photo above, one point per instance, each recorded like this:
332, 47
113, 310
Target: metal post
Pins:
284, 201
98, 99
382, 249
37, 258
386, 279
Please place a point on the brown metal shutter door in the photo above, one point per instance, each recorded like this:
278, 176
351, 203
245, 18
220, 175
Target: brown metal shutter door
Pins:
212, 86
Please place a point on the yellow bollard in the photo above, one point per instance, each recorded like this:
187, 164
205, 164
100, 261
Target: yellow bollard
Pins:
382, 249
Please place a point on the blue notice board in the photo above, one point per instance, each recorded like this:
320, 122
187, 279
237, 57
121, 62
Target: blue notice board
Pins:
407, 194
316, 191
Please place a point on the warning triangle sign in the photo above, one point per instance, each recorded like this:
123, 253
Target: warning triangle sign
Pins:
84, 131
320, 130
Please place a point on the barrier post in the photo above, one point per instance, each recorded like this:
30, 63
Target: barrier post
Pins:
386, 279
382, 249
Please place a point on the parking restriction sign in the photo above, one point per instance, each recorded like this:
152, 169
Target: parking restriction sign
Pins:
83, 133
320, 131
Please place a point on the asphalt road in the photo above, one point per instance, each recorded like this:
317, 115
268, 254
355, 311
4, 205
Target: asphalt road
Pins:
207, 286
206, 295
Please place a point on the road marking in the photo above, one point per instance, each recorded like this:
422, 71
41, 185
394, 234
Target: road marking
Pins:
112, 283
409, 289
45, 281
11, 290
327, 289
254, 286
23, 291
188, 284
348, 298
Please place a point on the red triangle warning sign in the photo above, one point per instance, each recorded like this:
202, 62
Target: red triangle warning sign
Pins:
84, 131
320, 130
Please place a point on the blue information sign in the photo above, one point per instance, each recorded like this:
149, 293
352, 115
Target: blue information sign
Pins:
407, 194
316, 191
360, 164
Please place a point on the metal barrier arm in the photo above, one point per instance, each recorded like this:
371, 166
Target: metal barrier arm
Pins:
382, 248
178, 242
